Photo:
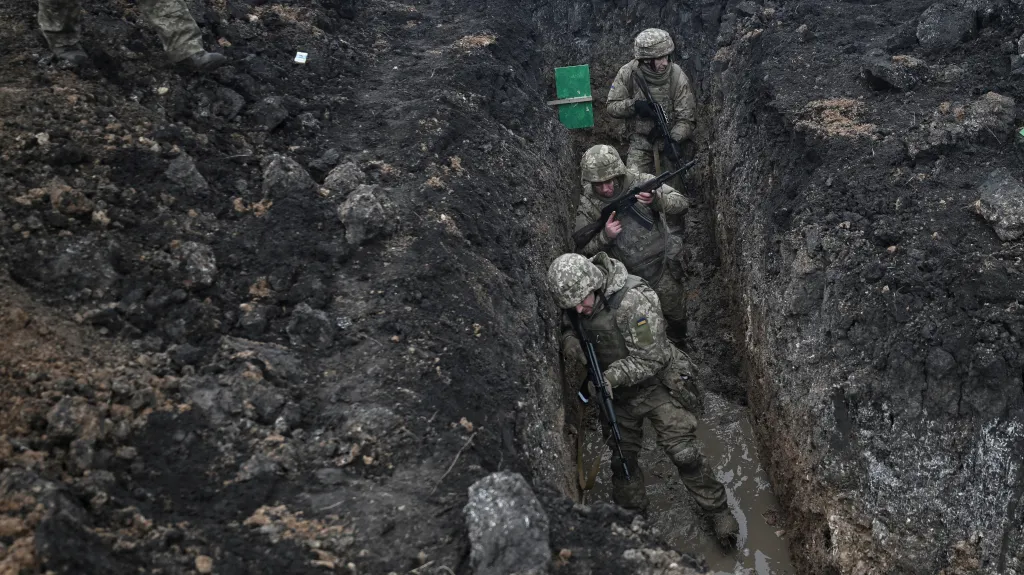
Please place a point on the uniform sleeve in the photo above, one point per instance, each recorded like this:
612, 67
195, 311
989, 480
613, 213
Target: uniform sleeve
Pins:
586, 214
684, 108
620, 103
668, 201
642, 325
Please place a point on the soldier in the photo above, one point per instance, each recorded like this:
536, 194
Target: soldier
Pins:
670, 88
647, 253
650, 378
59, 20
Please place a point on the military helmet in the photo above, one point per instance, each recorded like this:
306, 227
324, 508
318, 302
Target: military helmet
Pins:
601, 163
571, 277
652, 43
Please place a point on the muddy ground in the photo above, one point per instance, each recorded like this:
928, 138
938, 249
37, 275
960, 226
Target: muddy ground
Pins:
280, 318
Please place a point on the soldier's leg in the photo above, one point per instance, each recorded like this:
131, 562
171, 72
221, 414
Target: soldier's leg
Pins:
676, 429
629, 493
60, 22
672, 296
640, 160
175, 26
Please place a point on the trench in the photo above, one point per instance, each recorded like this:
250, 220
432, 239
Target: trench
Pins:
717, 325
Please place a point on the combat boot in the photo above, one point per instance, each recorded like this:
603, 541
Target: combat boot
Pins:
204, 61
632, 493
74, 55
727, 530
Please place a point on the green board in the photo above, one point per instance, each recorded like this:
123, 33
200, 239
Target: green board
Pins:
574, 82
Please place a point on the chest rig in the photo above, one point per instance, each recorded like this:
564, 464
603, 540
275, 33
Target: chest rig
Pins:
609, 345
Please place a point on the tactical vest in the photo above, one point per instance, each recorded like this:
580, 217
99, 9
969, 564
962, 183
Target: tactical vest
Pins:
665, 95
609, 345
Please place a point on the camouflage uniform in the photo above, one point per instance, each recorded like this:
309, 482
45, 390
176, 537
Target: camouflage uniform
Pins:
670, 88
651, 379
60, 22
644, 252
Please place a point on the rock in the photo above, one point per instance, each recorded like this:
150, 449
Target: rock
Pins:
185, 354
344, 179
1016, 65
363, 215
82, 453
944, 26
283, 176
200, 263
204, 564
804, 33
267, 403
229, 103
68, 201
1002, 205
310, 327
508, 528
904, 38
279, 364
747, 8
258, 465
326, 161
183, 171
991, 115
270, 113
74, 418
884, 72
253, 319
330, 476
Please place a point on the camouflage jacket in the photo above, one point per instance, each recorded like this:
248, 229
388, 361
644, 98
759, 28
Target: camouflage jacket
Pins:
640, 323
666, 201
674, 94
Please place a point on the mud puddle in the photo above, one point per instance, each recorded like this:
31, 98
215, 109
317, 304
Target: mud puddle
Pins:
730, 449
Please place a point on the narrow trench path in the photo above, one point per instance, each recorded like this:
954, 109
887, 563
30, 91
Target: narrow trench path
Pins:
725, 431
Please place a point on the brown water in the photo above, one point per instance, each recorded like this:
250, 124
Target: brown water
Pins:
729, 449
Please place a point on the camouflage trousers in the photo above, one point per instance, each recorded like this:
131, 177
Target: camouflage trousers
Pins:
672, 296
60, 21
676, 434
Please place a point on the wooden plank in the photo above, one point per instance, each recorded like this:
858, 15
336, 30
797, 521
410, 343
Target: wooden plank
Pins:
570, 101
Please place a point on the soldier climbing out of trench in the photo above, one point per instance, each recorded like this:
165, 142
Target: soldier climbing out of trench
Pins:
670, 89
650, 253
60, 22
649, 378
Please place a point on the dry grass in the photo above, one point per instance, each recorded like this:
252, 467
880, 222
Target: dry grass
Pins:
835, 117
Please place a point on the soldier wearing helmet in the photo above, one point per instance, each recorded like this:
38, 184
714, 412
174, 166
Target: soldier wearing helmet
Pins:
650, 378
626, 237
669, 86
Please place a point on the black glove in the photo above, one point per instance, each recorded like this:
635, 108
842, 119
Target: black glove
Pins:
672, 149
644, 109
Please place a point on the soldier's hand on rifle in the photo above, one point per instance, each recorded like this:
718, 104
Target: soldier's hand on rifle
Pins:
612, 227
644, 109
645, 198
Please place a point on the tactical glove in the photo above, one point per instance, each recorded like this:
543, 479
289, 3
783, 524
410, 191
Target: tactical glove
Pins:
644, 109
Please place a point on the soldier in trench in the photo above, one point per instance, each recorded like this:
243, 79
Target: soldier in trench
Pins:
669, 86
60, 22
649, 378
653, 254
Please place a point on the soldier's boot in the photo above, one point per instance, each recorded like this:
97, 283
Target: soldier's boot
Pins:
204, 61
632, 493
708, 492
727, 530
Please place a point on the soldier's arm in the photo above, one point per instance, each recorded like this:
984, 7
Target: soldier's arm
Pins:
585, 215
641, 323
620, 102
684, 112
666, 198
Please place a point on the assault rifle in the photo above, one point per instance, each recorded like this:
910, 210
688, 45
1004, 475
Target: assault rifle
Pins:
583, 236
671, 147
597, 378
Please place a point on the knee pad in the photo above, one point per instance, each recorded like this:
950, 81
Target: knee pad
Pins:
686, 457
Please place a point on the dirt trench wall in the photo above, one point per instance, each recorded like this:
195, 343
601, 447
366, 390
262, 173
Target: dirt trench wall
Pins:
883, 324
